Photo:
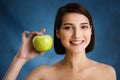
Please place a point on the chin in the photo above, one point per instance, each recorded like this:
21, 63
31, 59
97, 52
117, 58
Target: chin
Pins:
77, 51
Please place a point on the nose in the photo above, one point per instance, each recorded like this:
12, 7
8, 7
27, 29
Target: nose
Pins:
77, 33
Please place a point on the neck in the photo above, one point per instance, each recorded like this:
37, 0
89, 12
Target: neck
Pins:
76, 61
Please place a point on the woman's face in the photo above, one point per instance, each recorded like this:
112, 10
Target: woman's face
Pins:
75, 32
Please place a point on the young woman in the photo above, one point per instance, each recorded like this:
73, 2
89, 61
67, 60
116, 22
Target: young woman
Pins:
74, 37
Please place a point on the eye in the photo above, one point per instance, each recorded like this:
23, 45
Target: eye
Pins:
68, 27
84, 27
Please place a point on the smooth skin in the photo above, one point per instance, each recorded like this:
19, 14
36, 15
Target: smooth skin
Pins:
75, 34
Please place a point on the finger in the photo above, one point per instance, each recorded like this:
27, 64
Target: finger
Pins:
42, 31
33, 34
40, 53
24, 34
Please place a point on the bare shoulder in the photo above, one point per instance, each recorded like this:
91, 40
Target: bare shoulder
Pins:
39, 72
106, 71
106, 68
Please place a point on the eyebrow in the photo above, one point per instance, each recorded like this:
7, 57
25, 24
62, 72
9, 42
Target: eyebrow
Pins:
84, 23
72, 24
68, 24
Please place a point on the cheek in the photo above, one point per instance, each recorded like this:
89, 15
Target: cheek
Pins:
88, 35
64, 36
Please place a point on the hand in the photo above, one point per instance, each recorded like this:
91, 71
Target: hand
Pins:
27, 50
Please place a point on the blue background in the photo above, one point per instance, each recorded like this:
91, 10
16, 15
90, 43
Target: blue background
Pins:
33, 15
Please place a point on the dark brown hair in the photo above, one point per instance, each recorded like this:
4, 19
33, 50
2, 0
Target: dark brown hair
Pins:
75, 8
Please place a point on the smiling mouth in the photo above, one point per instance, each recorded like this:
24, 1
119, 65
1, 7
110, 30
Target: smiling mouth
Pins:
76, 42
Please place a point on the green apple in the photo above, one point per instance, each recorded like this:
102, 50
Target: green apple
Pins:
43, 42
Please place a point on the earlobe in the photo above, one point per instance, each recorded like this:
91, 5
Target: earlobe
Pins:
58, 34
91, 31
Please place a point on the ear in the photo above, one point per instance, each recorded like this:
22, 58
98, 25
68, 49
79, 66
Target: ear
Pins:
91, 30
58, 34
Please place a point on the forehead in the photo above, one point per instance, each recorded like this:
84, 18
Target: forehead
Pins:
74, 18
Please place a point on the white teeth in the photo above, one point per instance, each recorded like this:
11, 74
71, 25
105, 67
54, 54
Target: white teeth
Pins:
76, 42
